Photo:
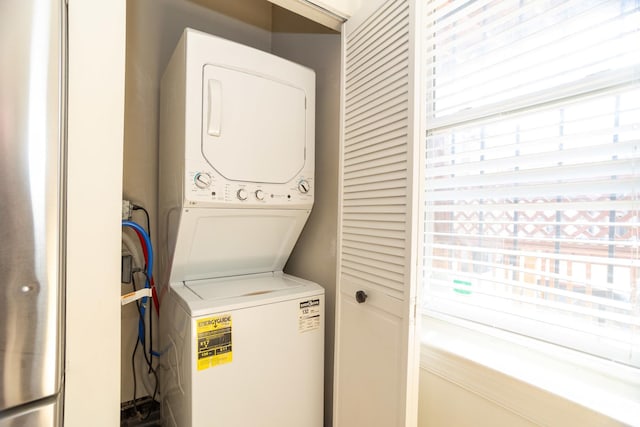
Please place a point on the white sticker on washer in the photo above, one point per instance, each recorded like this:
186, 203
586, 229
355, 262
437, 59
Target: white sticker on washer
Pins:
309, 315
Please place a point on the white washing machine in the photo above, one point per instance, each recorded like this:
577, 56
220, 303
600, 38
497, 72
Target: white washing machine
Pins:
244, 351
243, 343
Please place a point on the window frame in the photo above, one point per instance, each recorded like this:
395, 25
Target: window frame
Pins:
557, 360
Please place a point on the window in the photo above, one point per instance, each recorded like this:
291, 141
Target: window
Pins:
532, 179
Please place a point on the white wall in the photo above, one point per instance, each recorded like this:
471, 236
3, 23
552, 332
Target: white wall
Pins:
444, 403
94, 182
473, 375
448, 400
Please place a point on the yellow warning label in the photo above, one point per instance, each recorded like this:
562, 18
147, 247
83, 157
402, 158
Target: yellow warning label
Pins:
214, 341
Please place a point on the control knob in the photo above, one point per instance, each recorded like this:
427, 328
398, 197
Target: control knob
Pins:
259, 194
304, 186
242, 194
202, 180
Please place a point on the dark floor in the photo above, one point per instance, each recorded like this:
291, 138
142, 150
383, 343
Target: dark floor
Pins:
145, 413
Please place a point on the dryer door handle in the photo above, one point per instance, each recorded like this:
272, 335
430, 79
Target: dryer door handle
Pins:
215, 107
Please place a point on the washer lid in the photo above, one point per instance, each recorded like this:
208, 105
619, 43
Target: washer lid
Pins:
253, 126
214, 242
241, 286
203, 297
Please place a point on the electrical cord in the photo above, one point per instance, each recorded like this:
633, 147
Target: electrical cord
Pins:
139, 267
133, 368
148, 359
151, 370
149, 279
150, 338
146, 213
133, 356
145, 241
132, 247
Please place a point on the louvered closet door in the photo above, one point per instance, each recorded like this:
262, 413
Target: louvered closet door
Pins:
376, 373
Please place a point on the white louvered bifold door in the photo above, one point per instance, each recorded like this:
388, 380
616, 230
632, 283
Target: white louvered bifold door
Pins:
376, 346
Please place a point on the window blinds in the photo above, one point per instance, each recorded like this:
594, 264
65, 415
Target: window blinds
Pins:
532, 172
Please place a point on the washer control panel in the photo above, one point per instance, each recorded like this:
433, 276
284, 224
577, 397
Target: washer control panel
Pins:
207, 188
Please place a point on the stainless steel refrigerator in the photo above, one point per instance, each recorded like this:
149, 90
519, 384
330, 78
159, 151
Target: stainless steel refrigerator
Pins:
32, 100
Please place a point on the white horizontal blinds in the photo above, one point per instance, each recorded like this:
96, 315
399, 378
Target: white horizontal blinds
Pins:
533, 203
375, 150
488, 52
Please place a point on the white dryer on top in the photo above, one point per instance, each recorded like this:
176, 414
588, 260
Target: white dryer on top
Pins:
236, 176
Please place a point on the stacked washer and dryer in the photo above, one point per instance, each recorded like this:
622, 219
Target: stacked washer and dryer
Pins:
242, 342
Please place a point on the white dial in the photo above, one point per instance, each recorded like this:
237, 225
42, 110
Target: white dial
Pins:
259, 194
304, 186
242, 194
202, 180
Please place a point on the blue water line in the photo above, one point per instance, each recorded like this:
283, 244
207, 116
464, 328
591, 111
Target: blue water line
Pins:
147, 284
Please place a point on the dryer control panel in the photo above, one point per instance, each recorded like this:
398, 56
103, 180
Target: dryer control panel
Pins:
206, 188
236, 173
249, 130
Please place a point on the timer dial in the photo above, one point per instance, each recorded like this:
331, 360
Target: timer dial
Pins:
242, 194
202, 180
304, 186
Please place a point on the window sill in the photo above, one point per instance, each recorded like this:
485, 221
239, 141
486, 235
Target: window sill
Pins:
538, 381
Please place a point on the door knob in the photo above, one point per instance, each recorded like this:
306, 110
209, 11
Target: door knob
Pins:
361, 297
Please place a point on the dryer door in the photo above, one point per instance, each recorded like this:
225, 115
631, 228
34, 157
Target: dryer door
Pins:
253, 127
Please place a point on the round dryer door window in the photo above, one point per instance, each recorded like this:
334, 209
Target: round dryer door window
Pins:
253, 127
